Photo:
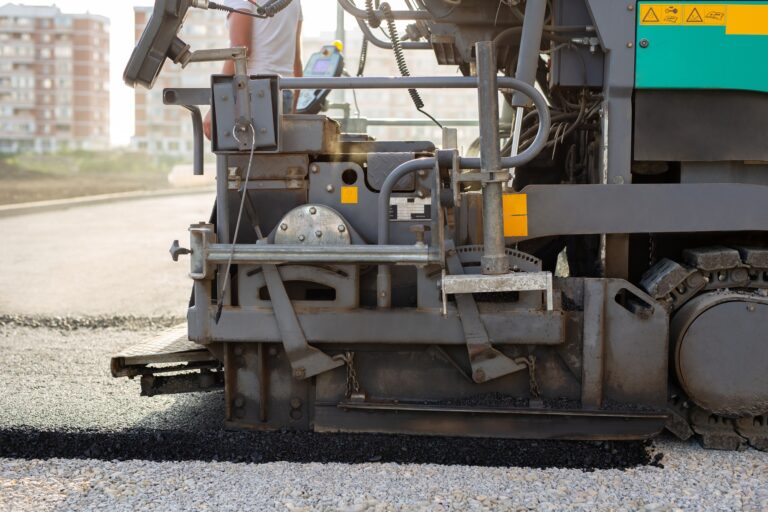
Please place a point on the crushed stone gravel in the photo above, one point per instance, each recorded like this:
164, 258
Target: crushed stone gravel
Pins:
693, 479
73, 323
60, 401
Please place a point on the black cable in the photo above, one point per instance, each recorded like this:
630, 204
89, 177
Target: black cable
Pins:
273, 7
402, 65
363, 58
230, 10
373, 21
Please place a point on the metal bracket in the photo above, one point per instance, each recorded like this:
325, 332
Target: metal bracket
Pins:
512, 282
487, 362
306, 361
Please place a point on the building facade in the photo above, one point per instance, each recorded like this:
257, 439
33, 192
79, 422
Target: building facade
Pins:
54, 80
165, 130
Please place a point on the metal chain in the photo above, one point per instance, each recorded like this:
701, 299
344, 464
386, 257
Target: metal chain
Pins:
651, 250
353, 386
530, 362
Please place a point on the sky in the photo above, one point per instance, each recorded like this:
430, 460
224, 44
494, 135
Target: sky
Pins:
120, 12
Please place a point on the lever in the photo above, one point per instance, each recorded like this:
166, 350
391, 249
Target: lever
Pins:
176, 250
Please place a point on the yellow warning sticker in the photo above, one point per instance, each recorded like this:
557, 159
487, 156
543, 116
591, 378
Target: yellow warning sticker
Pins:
348, 195
661, 14
738, 19
705, 14
747, 20
515, 214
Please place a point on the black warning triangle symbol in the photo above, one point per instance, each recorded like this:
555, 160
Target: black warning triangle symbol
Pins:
694, 17
650, 16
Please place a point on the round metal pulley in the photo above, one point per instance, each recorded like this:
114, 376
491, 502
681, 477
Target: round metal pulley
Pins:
720, 343
313, 224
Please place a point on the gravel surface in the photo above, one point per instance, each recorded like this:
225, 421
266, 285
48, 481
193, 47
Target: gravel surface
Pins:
60, 401
693, 479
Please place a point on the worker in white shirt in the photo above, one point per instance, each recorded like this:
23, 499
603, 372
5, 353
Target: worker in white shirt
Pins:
274, 46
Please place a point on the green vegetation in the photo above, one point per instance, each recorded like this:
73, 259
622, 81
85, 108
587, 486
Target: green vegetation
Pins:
31, 177
85, 162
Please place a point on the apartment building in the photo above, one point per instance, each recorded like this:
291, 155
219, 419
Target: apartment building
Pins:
54, 80
165, 130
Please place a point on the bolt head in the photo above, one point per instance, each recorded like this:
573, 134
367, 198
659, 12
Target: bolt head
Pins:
312, 210
318, 233
342, 228
302, 238
314, 168
630, 45
284, 226
329, 188
644, 43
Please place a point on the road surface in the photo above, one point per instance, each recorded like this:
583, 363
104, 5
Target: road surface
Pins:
107, 259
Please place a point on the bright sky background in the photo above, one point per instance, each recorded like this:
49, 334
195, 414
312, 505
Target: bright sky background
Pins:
120, 12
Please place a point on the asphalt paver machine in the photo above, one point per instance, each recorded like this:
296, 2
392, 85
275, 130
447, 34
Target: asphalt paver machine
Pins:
597, 269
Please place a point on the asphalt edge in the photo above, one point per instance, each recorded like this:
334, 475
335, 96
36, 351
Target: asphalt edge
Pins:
12, 210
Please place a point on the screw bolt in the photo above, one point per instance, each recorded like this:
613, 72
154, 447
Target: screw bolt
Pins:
644, 43
342, 228
630, 45
329, 188
302, 238
314, 168
318, 233
313, 210
283, 226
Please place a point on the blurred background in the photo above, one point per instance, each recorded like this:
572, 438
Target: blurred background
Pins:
70, 127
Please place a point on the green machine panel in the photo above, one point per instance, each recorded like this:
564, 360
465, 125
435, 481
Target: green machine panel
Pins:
702, 45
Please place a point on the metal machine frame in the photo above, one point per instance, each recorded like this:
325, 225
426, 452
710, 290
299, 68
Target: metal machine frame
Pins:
319, 310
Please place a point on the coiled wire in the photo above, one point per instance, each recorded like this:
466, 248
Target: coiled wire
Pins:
402, 65
373, 21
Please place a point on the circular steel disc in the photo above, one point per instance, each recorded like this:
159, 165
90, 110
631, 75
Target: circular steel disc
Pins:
722, 353
312, 224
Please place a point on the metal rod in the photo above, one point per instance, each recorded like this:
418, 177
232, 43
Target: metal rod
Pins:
384, 275
197, 139
419, 122
256, 254
400, 82
530, 46
446, 82
494, 259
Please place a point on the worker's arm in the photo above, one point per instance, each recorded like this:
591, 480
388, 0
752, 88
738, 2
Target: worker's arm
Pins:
240, 34
298, 66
